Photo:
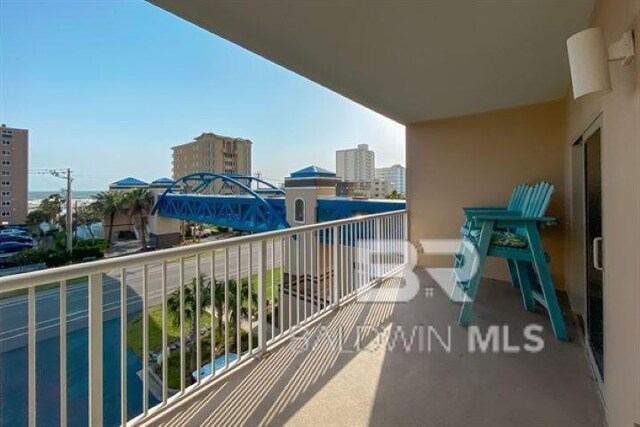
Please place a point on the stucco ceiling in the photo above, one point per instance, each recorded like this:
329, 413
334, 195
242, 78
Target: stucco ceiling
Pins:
409, 60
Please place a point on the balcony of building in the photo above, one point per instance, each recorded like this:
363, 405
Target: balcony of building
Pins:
407, 363
339, 317
484, 91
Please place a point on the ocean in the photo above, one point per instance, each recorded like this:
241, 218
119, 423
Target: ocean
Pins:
36, 196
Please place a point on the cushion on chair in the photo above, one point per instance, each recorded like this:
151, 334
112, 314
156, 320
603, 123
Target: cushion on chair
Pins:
503, 238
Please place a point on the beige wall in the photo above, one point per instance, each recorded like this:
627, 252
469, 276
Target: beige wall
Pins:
310, 196
621, 210
18, 149
477, 161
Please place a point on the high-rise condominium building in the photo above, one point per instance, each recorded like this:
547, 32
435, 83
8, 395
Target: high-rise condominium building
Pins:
212, 153
396, 175
356, 164
14, 178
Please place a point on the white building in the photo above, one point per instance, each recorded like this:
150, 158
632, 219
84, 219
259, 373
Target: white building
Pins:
396, 175
356, 164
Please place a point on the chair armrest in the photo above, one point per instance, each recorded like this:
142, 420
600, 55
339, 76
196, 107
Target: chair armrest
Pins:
515, 218
472, 213
483, 208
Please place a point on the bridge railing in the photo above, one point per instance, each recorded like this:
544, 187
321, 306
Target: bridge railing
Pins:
113, 341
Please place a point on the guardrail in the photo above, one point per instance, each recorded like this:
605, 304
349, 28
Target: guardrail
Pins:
190, 313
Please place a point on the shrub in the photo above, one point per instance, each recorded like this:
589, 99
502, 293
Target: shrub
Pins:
126, 235
80, 253
57, 258
102, 244
51, 257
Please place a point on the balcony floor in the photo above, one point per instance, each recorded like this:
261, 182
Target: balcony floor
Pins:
326, 385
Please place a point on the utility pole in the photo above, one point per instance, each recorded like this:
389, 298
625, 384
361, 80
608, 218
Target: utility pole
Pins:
69, 213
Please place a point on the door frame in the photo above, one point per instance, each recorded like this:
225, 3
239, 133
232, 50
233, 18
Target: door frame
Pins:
593, 127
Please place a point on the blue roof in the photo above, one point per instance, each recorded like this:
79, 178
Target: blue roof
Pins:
163, 181
312, 171
129, 182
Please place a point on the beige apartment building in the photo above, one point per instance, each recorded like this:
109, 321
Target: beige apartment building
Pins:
14, 159
356, 164
214, 153
374, 189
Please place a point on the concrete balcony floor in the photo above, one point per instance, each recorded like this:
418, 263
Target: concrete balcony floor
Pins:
312, 381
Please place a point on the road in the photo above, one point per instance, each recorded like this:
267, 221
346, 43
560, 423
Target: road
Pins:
13, 311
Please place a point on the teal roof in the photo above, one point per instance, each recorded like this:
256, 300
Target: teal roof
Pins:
312, 171
163, 180
128, 182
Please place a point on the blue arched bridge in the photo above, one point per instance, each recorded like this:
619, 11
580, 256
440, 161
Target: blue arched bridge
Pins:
247, 203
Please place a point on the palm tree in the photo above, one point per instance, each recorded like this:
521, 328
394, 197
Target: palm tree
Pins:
139, 203
233, 300
87, 215
190, 306
52, 206
190, 310
35, 218
108, 204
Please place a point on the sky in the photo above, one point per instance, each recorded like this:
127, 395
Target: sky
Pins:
108, 87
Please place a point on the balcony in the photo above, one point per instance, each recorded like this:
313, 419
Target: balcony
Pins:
319, 322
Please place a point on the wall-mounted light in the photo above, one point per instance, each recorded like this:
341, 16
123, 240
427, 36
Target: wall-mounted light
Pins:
589, 59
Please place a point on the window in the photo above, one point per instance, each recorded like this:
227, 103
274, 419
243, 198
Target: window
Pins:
5, 193
298, 210
6, 163
6, 142
6, 173
6, 152
6, 214
6, 183
5, 203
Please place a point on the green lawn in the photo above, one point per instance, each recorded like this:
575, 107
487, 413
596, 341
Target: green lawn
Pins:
134, 330
270, 291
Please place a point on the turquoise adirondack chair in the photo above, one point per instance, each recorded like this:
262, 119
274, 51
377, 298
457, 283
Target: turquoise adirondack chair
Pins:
516, 202
515, 236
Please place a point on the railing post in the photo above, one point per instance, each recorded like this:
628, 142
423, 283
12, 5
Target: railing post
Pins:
262, 298
336, 287
95, 349
31, 363
405, 236
378, 246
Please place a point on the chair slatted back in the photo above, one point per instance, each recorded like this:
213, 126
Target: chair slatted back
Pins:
518, 197
538, 201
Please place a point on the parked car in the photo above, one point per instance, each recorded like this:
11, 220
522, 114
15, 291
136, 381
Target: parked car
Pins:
15, 227
11, 247
16, 238
14, 232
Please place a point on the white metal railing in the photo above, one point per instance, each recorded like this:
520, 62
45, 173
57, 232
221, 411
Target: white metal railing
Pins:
223, 295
